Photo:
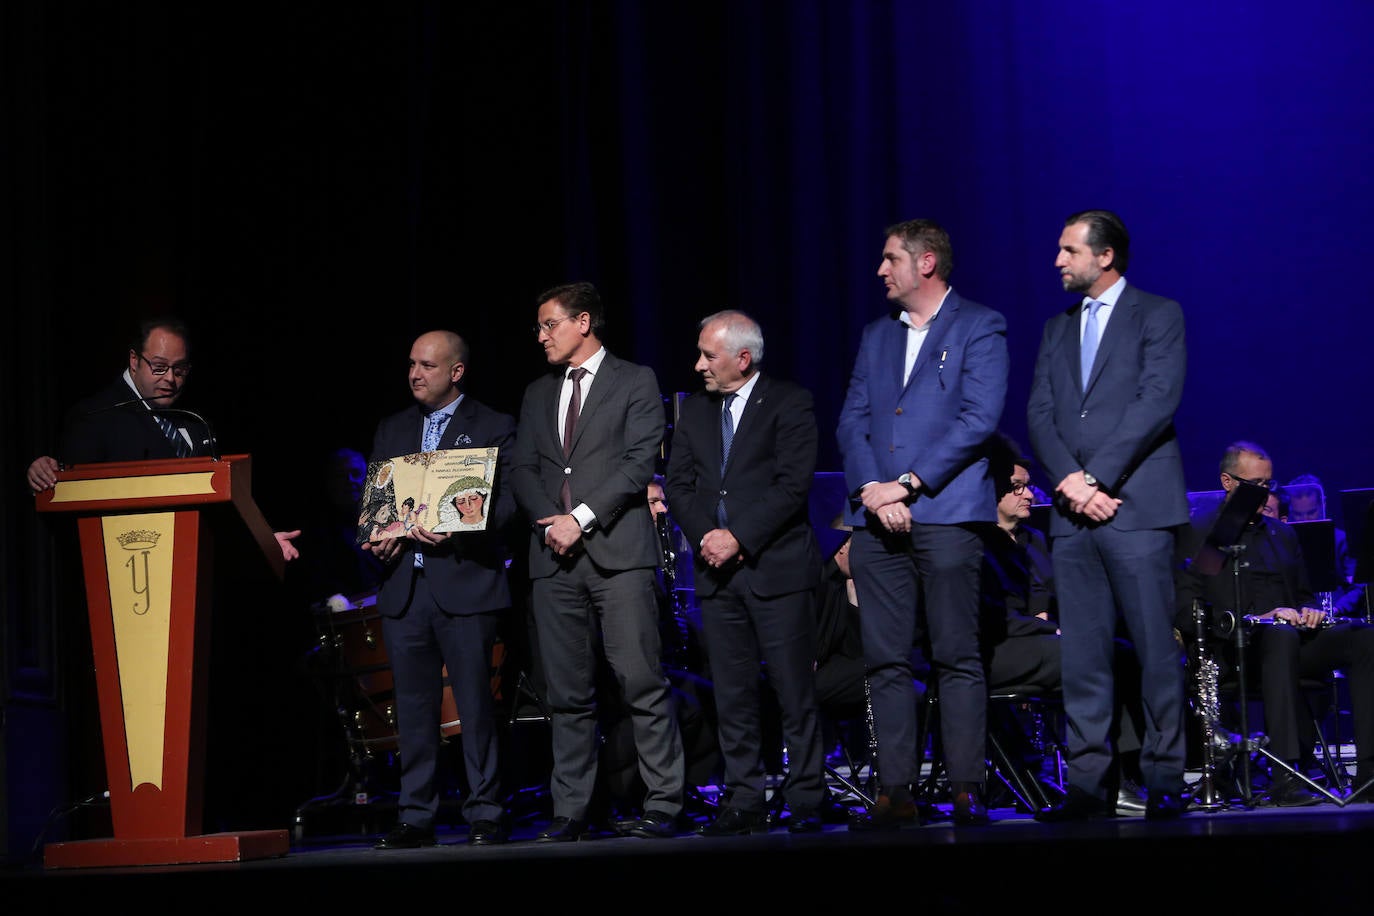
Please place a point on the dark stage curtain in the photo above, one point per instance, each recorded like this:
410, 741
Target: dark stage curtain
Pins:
312, 185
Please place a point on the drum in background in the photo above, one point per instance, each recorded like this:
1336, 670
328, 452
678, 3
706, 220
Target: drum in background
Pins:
350, 632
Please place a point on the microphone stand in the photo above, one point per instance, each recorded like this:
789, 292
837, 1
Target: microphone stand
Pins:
210, 439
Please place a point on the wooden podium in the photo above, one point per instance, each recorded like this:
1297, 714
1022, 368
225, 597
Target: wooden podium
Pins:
147, 532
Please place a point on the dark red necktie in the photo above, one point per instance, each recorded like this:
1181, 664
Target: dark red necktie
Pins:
570, 427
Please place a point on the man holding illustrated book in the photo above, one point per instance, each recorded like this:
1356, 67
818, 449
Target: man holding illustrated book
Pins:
441, 601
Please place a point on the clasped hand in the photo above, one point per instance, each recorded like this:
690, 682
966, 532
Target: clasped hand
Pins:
887, 503
1085, 499
562, 533
719, 547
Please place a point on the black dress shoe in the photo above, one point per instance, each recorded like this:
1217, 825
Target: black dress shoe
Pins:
1076, 806
486, 833
562, 830
654, 825
832, 812
804, 819
404, 836
969, 810
1164, 806
892, 812
1130, 800
1290, 792
736, 822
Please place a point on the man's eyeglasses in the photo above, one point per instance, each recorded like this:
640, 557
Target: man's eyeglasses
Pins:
1269, 485
1019, 489
548, 326
180, 370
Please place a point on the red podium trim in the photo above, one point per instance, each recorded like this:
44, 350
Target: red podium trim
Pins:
210, 847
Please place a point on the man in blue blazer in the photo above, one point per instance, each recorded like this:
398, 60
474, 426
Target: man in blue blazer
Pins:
744, 510
442, 600
580, 477
1102, 428
925, 395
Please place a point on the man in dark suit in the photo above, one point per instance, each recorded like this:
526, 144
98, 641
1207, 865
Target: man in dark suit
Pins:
120, 422
1102, 428
442, 600
743, 501
135, 418
590, 432
926, 392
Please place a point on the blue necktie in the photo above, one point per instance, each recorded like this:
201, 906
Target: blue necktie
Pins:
727, 436
169, 429
434, 428
1090, 338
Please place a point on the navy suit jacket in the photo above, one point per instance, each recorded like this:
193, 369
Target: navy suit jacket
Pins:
468, 571
1121, 429
619, 433
767, 485
935, 423
96, 431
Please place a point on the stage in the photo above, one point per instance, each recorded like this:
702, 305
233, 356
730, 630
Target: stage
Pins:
1316, 857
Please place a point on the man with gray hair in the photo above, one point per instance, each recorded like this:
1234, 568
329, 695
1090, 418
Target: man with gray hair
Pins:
739, 474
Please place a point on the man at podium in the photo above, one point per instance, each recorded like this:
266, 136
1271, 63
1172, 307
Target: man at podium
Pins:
134, 418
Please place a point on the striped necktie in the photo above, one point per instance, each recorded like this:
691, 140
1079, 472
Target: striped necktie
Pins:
169, 429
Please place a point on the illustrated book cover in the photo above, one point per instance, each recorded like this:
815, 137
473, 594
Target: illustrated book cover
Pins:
444, 490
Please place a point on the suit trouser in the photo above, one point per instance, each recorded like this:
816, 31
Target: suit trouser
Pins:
1097, 571
1035, 661
1287, 654
936, 568
571, 607
419, 645
740, 628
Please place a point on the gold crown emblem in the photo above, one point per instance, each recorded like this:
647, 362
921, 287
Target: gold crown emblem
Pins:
141, 539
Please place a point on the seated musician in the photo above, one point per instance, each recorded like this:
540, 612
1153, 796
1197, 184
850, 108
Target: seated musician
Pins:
1291, 638
1306, 498
1019, 628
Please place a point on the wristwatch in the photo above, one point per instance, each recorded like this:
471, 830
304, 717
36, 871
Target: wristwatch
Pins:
905, 480
1089, 479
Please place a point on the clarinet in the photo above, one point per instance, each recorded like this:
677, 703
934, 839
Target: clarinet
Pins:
677, 622
1206, 676
872, 739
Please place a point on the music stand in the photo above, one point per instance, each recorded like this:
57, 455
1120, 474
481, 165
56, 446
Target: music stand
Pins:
1317, 541
1220, 548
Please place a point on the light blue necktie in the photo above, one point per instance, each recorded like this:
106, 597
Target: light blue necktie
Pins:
727, 436
434, 428
1088, 352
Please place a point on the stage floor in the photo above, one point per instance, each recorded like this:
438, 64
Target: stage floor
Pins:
1315, 857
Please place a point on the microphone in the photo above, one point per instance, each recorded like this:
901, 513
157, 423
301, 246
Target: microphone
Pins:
210, 439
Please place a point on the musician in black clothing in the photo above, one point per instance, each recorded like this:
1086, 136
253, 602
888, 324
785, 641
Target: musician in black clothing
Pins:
1291, 638
1019, 627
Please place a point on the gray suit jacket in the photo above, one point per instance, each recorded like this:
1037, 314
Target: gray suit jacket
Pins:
1121, 428
619, 433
